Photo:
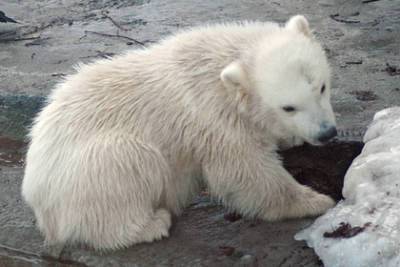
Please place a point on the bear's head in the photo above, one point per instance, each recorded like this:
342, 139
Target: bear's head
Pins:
286, 77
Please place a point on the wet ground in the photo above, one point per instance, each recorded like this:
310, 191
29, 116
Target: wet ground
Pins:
361, 39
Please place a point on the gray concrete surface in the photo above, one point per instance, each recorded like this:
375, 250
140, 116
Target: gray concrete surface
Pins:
360, 39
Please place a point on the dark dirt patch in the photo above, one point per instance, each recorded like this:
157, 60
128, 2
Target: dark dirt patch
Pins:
345, 230
232, 217
16, 113
226, 250
10, 144
322, 167
364, 95
392, 70
11, 152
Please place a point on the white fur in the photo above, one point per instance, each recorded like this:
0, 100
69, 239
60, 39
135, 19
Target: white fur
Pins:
126, 142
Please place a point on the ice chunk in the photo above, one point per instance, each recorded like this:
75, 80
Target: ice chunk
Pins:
364, 229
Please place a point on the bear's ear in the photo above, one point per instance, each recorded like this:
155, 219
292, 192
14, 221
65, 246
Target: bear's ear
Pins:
300, 24
234, 76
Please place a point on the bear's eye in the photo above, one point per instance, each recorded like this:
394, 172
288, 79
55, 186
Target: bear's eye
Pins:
289, 108
323, 89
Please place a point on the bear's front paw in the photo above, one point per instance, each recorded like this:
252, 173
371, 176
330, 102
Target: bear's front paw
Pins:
321, 203
302, 202
312, 203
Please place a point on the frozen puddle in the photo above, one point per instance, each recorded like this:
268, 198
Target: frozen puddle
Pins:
364, 229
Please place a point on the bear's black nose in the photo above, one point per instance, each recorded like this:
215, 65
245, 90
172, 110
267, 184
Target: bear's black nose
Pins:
327, 135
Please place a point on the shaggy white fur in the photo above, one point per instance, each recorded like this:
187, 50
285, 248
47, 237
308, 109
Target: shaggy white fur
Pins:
127, 141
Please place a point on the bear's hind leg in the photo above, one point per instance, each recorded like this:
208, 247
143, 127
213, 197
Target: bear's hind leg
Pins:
109, 197
157, 227
134, 175
152, 226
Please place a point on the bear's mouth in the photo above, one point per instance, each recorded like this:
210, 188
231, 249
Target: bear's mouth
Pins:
315, 143
308, 141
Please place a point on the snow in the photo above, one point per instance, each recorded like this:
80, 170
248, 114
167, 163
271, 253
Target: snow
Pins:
372, 202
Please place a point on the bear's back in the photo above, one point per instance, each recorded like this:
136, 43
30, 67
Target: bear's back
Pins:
151, 84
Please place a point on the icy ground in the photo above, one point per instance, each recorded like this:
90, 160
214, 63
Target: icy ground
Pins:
364, 229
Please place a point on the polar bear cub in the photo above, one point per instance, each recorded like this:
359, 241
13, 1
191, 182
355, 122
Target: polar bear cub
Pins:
126, 142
